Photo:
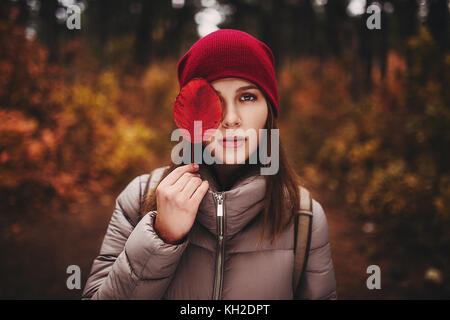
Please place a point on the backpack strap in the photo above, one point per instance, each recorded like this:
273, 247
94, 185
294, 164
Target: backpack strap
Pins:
152, 181
303, 223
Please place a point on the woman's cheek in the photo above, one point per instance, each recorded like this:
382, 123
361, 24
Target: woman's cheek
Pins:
255, 115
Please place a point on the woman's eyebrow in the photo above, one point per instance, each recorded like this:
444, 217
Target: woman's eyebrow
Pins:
241, 88
247, 87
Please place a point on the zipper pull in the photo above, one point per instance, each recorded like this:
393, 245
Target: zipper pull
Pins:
219, 199
220, 206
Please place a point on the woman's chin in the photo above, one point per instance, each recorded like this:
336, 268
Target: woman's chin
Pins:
242, 161
232, 156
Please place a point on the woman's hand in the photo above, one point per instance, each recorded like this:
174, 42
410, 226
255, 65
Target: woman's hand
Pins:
178, 196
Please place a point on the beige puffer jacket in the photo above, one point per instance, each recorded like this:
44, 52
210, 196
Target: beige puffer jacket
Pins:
134, 263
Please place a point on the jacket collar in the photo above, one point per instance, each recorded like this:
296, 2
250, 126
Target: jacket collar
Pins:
243, 202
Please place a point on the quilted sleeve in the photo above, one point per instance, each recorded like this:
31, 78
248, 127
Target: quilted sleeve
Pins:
134, 262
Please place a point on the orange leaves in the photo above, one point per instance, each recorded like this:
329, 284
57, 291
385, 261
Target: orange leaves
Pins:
315, 87
62, 128
382, 155
66, 185
48, 138
362, 152
15, 122
35, 150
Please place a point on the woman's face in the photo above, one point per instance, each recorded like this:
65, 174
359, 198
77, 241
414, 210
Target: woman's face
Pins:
245, 112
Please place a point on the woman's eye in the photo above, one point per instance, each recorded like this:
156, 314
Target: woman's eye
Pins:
248, 97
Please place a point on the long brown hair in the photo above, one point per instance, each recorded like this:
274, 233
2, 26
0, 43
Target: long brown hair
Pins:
282, 193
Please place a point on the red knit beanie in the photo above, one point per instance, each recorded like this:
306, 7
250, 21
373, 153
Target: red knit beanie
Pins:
231, 53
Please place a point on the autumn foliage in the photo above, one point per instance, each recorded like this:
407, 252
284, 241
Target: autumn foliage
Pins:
77, 130
66, 137
384, 158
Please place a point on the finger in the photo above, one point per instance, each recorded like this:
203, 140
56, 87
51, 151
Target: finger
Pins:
200, 192
181, 183
172, 177
191, 186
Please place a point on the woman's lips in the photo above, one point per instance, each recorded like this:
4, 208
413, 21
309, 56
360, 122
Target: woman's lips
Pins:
232, 142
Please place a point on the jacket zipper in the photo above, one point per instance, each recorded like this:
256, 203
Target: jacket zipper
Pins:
219, 197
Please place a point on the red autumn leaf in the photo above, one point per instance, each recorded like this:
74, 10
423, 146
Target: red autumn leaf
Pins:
197, 101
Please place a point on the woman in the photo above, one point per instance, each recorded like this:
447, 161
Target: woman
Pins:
200, 231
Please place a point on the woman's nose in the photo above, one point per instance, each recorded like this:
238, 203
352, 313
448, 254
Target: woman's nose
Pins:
231, 118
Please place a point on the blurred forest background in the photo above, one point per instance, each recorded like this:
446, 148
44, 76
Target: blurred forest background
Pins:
365, 118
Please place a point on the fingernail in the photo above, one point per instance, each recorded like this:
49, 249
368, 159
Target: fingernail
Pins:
195, 166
